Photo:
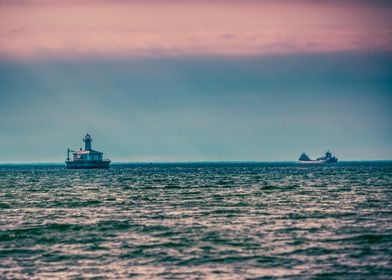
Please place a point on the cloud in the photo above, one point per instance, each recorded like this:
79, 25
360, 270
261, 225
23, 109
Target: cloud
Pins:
31, 29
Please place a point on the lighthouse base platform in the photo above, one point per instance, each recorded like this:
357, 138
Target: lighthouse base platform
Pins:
87, 164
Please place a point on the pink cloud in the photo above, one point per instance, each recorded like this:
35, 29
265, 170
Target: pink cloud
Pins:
30, 29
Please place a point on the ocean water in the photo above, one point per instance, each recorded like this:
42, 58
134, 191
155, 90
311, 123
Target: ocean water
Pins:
197, 221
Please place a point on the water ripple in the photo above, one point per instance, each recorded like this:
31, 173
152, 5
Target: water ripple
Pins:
195, 221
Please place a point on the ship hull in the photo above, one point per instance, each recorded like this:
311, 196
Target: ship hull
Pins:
315, 161
311, 161
88, 164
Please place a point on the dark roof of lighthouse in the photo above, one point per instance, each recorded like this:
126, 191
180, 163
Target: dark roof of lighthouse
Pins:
82, 152
95, 152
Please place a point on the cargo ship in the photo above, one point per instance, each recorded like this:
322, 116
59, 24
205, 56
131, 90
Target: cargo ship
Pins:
87, 158
327, 158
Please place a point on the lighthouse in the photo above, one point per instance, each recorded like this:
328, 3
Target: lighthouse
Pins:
87, 158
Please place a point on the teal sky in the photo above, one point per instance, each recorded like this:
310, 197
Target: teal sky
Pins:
199, 108
196, 80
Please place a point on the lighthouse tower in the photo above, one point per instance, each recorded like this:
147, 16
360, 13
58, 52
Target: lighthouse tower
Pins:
87, 142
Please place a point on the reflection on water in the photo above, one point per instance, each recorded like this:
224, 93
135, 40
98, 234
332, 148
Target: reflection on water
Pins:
231, 221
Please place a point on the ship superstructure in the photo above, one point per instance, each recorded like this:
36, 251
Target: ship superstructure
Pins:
87, 158
327, 158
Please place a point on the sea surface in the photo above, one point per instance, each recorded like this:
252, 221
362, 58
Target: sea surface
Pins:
197, 221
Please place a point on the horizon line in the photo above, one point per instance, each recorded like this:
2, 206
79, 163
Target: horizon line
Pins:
192, 162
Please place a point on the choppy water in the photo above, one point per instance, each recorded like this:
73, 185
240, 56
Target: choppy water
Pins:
196, 221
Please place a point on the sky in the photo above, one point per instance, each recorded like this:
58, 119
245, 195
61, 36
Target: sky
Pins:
186, 80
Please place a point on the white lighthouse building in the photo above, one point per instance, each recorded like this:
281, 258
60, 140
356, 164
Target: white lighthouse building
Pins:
87, 158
